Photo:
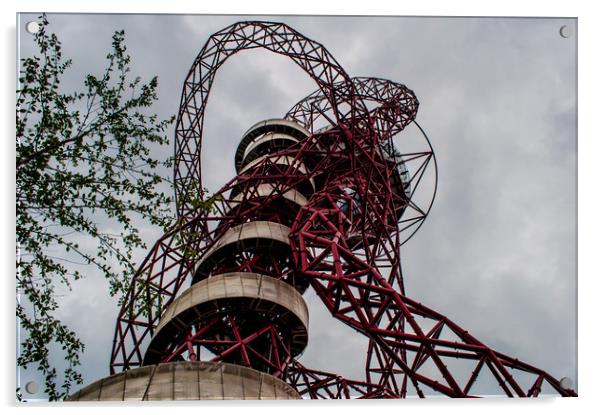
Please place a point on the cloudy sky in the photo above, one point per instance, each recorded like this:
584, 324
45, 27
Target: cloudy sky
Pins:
498, 100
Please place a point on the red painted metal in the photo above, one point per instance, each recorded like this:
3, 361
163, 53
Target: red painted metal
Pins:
344, 243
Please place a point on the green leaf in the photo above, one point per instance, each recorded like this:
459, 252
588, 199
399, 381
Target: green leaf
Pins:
79, 173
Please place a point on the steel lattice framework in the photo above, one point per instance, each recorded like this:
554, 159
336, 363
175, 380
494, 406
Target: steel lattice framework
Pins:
343, 241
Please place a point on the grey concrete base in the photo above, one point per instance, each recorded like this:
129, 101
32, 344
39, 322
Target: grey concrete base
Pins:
180, 381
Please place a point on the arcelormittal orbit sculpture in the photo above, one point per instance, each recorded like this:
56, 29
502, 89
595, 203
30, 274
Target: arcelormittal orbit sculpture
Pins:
323, 201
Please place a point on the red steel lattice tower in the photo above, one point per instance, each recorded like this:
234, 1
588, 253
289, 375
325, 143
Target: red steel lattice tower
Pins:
322, 200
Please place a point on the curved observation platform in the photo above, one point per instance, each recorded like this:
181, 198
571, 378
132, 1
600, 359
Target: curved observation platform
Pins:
257, 235
266, 144
273, 125
243, 293
178, 381
307, 186
268, 190
291, 198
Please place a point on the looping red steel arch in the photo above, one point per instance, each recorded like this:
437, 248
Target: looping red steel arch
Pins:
345, 241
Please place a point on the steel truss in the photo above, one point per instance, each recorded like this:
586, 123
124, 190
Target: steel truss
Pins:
344, 243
